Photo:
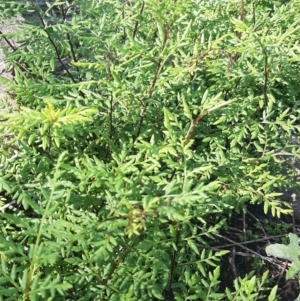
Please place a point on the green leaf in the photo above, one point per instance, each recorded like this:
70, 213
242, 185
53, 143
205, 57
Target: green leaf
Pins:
204, 97
290, 252
167, 120
273, 294
186, 108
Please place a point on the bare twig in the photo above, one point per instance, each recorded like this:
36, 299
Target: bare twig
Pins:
265, 258
63, 12
168, 290
266, 75
282, 272
111, 125
261, 226
52, 42
244, 226
137, 22
152, 87
250, 241
7, 205
192, 128
232, 262
253, 14
8, 42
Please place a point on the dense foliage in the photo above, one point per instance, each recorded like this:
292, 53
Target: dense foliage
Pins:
141, 126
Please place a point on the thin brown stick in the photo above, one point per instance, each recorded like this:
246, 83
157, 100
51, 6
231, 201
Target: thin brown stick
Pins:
251, 241
63, 12
152, 87
192, 128
111, 125
244, 226
52, 42
261, 226
271, 260
2, 208
241, 15
253, 14
189, 136
137, 22
282, 272
8, 42
168, 290
266, 77
232, 262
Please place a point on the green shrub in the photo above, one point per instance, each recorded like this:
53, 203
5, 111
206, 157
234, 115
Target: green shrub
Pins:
142, 126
